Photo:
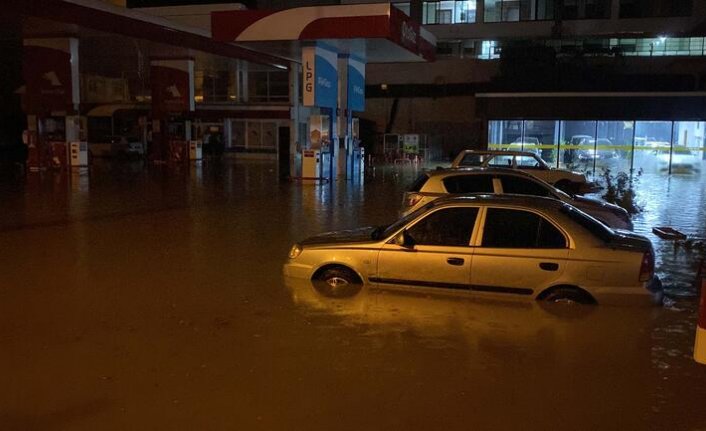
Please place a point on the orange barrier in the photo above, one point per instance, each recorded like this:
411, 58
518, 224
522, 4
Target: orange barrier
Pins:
700, 343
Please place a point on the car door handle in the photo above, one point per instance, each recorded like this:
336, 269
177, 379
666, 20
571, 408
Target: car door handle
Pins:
549, 266
455, 261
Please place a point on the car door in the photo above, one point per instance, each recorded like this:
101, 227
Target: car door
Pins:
519, 252
441, 255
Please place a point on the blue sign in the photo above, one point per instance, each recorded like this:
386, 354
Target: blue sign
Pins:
326, 93
356, 85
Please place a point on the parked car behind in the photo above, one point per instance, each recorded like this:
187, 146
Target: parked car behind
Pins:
682, 162
488, 245
528, 144
568, 181
435, 184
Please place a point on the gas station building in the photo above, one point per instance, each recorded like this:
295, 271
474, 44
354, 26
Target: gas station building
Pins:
169, 83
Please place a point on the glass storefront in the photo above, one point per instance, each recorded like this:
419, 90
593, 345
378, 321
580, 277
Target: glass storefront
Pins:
654, 147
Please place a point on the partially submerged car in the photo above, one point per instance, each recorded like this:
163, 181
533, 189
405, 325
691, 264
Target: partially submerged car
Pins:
681, 161
568, 181
435, 184
508, 246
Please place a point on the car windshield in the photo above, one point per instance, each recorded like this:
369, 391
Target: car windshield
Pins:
385, 231
598, 229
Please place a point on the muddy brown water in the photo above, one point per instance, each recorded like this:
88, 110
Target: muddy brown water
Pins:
152, 299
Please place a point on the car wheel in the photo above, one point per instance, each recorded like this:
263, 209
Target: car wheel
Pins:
568, 296
338, 282
567, 303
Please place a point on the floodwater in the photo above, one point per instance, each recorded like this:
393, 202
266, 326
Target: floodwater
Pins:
152, 299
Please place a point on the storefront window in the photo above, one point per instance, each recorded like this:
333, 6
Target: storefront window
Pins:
652, 147
542, 138
578, 145
614, 146
687, 155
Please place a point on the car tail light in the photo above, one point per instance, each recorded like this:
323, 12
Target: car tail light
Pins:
647, 268
412, 199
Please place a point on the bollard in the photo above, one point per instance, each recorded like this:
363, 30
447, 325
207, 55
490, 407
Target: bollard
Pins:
700, 343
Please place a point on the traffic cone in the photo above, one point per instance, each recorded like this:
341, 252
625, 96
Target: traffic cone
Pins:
700, 344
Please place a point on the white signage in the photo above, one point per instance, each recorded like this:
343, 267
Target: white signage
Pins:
309, 75
408, 33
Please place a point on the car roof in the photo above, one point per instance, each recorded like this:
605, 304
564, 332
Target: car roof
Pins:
480, 171
531, 202
501, 152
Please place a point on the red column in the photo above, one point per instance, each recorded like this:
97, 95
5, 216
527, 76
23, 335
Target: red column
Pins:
172, 82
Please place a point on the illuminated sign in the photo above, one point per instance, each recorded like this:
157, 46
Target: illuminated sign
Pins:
320, 77
356, 85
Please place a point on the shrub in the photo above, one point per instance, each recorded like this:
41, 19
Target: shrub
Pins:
620, 189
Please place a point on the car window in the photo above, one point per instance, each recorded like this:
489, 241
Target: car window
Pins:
509, 228
596, 228
419, 183
473, 160
501, 161
523, 186
469, 184
448, 226
527, 162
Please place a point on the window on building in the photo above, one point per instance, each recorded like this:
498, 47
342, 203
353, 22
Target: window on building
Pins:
655, 8
268, 86
653, 147
449, 12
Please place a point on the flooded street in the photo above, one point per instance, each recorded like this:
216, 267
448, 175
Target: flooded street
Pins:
153, 299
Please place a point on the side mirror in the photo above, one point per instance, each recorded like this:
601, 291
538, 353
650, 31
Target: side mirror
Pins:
403, 239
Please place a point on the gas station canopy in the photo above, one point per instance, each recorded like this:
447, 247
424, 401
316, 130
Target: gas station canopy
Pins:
375, 33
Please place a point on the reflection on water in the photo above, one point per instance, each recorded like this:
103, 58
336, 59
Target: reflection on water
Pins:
161, 288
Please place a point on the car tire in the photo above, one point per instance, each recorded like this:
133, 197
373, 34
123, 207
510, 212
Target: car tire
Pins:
567, 302
338, 282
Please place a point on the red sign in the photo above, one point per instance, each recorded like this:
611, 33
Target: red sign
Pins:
171, 90
47, 75
404, 30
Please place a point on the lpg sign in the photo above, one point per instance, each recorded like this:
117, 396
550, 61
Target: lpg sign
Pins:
320, 76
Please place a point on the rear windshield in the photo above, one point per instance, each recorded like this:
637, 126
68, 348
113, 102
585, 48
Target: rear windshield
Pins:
598, 229
469, 184
419, 183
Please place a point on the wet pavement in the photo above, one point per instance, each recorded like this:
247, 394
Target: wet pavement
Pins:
152, 299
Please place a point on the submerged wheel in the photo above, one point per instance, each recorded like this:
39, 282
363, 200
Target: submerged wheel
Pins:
567, 302
338, 282
569, 296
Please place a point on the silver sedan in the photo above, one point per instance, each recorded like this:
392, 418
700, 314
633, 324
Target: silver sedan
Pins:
505, 245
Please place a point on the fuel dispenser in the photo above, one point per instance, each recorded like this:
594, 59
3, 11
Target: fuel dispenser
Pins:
195, 150
311, 164
78, 154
